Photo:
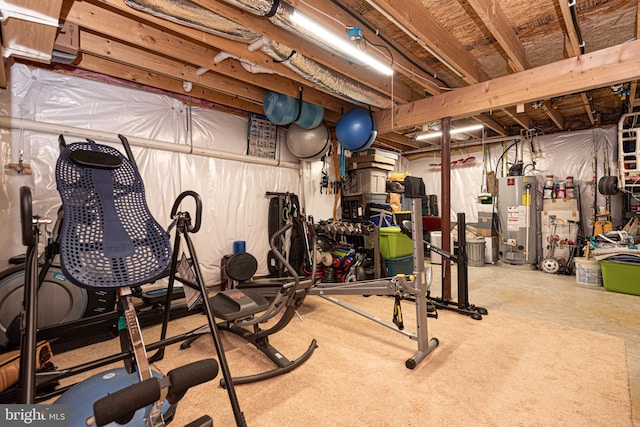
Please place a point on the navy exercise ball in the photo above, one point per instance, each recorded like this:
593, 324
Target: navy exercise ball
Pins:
356, 130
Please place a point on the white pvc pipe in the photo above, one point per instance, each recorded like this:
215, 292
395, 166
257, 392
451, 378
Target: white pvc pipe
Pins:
54, 128
251, 67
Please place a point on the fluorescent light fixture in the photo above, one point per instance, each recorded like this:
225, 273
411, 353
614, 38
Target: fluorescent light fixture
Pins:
309, 27
428, 135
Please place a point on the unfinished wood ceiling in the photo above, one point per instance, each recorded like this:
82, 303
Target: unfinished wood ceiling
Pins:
547, 65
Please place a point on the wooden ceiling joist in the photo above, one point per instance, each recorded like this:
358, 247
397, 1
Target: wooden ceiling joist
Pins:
154, 80
617, 64
521, 119
553, 114
491, 123
586, 101
495, 20
152, 39
429, 31
29, 36
263, 27
572, 42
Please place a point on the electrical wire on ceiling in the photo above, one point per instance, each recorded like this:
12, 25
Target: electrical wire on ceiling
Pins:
574, 18
384, 39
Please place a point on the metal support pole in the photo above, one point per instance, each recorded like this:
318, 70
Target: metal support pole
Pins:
445, 213
414, 189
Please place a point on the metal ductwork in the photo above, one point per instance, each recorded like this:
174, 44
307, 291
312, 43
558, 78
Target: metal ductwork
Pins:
188, 13
324, 77
185, 12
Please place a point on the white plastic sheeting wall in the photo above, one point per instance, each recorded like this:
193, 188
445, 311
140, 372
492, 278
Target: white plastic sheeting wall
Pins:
561, 155
233, 192
234, 198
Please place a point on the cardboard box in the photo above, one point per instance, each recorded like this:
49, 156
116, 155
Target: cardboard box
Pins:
487, 225
68, 39
375, 152
372, 158
486, 232
369, 164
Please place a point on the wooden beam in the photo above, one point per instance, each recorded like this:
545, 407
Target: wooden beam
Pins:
491, 123
586, 101
235, 47
150, 38
633, 88
264, 27
415, 17
24, 37
553, 114
3, 69
572, 43
221, 43
492, 16
605, 67
153, 80
572, 46
397, 141
637, 19
128, 55
520, 118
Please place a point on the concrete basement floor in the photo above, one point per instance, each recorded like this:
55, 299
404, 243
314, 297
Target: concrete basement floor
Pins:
524, 291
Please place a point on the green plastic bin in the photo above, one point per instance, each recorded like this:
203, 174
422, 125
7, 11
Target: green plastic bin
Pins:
623, 277
394, 243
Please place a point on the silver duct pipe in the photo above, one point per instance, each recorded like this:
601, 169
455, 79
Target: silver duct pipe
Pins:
257, 7
185, 12
324, 77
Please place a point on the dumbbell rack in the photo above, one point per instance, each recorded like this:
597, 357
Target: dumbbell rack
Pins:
358, 229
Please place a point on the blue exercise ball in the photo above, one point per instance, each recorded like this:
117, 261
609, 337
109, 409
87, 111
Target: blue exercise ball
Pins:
356, 130
283, 110
308, 144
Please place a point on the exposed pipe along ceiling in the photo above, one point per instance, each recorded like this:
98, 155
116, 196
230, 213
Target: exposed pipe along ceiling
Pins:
282, 15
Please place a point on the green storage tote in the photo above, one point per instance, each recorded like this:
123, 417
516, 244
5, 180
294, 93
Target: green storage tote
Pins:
623, 277
394, 243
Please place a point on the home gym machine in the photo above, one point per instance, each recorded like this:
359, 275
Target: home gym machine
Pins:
462, 306
255, 313
400, 286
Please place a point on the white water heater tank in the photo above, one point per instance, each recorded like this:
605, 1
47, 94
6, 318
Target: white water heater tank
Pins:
518, 219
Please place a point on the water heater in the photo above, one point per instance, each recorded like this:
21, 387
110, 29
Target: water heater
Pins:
518, 219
